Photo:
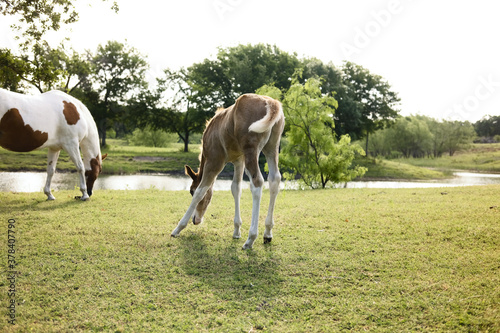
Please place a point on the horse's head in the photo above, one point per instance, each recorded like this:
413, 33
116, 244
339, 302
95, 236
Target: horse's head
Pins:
202, 206
92, 174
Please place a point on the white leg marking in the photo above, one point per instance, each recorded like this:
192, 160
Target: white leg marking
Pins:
274, 179
52, 157
74, 154
254, 227
197, 196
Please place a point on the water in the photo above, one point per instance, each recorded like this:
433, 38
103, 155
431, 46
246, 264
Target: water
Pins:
35, 181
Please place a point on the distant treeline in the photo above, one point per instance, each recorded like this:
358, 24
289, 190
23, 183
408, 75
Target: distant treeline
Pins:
421, 136
488, 129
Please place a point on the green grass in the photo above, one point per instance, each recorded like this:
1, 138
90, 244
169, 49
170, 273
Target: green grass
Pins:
341, 260
479, 158
386, 169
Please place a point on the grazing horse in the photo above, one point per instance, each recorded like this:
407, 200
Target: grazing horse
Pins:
238, 134
56, 121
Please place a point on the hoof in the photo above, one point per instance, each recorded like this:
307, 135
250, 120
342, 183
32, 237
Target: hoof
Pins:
267, 240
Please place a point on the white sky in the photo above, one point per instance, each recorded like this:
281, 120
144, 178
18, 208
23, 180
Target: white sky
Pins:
441, 57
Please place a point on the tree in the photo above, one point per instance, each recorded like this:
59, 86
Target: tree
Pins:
458, 134
310, 149
488, 126
410, 136
42, 67
239, 70
36, 18
118, 71
11, 70
369, 97
38, 63
172, 107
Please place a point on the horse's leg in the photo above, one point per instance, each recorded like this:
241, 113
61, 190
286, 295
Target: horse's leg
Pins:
74, 154
274, 179
256, 181
236, 191
207, 181
52, 157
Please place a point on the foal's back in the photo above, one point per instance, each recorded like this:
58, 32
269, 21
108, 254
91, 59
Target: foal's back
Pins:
244, 126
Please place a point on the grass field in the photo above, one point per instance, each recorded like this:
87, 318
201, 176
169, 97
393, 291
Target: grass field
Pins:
341, 260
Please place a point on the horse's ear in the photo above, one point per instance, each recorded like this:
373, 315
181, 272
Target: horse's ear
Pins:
104, 157
190, 172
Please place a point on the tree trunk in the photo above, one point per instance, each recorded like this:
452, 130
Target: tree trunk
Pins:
103, 132
366, 150
186, 142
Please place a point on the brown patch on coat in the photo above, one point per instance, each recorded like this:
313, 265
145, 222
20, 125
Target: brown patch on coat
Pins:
70, 113
18, 137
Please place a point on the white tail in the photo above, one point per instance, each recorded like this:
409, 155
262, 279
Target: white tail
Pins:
273, 109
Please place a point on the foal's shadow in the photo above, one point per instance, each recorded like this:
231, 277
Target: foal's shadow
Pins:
228, 269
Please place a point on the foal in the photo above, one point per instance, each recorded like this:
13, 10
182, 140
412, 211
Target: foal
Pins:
238, 134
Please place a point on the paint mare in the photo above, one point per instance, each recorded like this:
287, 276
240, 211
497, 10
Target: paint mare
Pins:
56, 121
238, 134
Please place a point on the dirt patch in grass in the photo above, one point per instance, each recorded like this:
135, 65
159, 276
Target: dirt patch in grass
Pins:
151, 159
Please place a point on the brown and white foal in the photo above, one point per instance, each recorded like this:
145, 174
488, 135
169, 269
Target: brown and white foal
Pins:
238, 134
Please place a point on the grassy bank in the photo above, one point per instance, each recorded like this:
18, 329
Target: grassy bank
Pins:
341, 260
478, 157
124, 159
386, 169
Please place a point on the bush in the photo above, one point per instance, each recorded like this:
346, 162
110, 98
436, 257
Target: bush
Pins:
151, 138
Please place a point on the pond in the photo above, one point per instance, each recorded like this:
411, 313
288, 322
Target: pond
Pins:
34, 182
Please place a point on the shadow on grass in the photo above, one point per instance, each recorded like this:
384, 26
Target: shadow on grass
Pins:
42, 204
223, 266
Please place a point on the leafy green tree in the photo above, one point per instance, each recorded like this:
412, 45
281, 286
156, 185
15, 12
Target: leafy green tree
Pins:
36, 18
38, 64
239, 70
458, 134
410, 136
368, 97
42, 68
11, 71
310, 149
329, 75
488, 126
379, 144
118, 70
249, 67
171, 107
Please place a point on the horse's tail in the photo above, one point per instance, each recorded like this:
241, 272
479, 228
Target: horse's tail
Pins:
274, 112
